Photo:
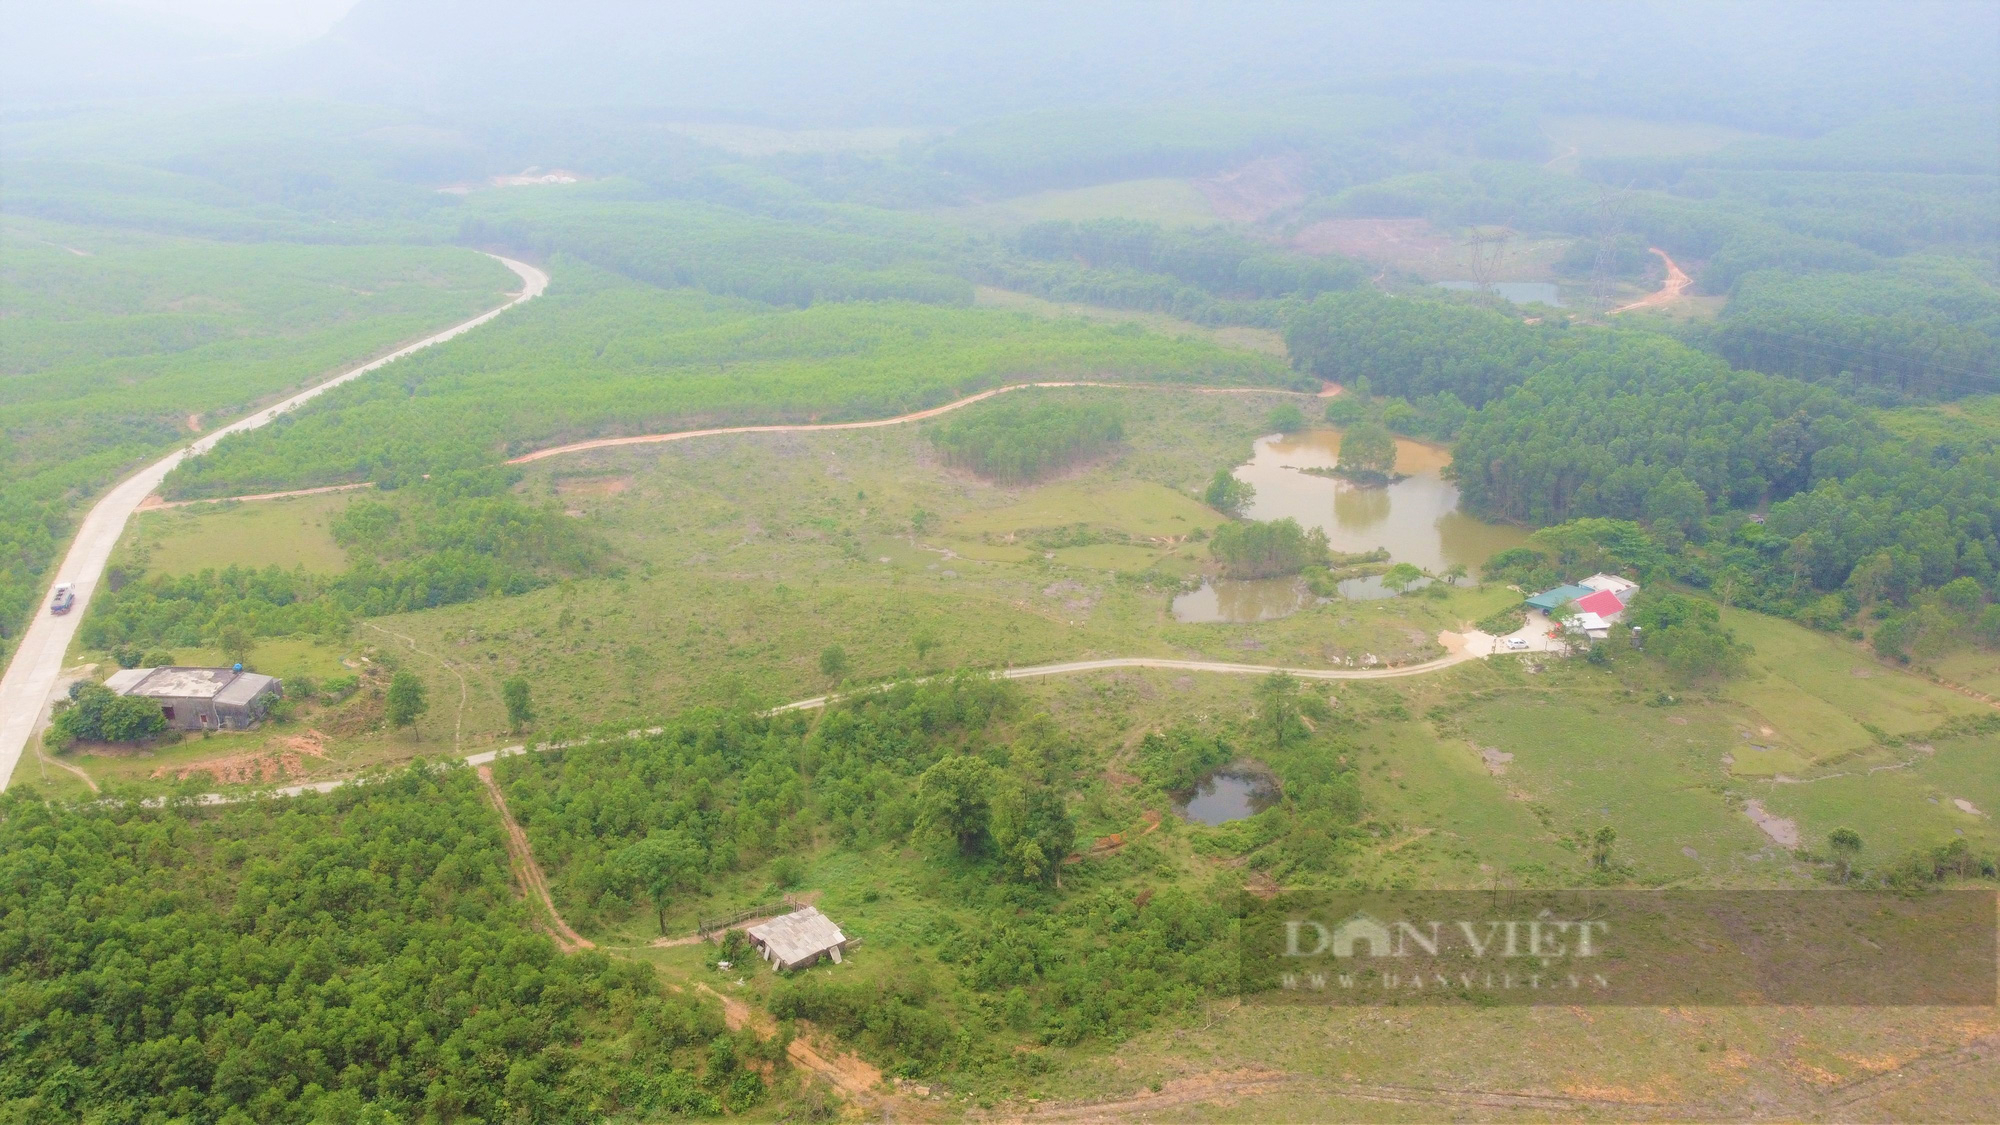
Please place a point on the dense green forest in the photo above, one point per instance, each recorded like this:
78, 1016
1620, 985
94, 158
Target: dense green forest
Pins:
1015, 444
1628, 424
314, 959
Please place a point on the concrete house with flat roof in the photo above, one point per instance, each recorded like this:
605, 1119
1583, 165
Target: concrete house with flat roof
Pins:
202, 698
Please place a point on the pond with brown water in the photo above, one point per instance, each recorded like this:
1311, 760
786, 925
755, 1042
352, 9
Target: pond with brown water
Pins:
1416, 518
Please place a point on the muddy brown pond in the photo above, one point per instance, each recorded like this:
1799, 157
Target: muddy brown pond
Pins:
1416, 518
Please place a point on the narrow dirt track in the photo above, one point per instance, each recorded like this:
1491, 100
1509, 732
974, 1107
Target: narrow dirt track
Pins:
851, 1074
1673, 289
534, 884
900, 419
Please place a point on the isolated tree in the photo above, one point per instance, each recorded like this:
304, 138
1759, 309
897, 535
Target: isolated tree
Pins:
663, 864
1401, 576
1227, 494
954, 802
1278, 707
235, 641
1368, 448
1845, 844
407, 701
520, 707
1600, 846
924, 643
833, 662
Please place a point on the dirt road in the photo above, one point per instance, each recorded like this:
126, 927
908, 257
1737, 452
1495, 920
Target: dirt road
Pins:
1459, 648
156, 502
1673, 289
31, 676
900, 419
533, 883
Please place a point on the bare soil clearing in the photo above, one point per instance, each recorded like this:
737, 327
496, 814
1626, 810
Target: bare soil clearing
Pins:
1778, 828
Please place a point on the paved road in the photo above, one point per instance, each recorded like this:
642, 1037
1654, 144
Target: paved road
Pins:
31, 676
900, 419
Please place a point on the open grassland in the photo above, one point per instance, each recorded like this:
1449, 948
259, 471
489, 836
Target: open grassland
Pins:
741, 558
294, 531
1819, 698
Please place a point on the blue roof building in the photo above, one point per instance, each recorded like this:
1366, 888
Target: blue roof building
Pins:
1548, 600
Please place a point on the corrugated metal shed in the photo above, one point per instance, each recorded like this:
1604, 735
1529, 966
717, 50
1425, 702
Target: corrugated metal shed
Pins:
1550, 599
798, 939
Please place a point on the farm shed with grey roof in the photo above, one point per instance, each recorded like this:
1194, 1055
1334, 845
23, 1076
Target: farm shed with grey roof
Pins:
201, 698
798, 939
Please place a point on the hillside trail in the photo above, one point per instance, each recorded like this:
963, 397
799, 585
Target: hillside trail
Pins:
28, 686
876, 423
1671, 290
848, 1072
534, 884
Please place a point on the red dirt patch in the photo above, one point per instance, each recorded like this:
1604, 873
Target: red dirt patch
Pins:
255, 767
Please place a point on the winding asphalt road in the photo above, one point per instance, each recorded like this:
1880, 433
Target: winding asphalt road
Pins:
31, 676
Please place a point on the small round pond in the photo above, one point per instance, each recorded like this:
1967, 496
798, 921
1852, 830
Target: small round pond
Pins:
1231, 793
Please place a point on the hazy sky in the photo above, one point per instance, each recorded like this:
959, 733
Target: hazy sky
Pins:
262, 23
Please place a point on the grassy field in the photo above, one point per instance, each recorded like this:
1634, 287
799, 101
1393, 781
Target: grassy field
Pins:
1818, 698
295, 531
